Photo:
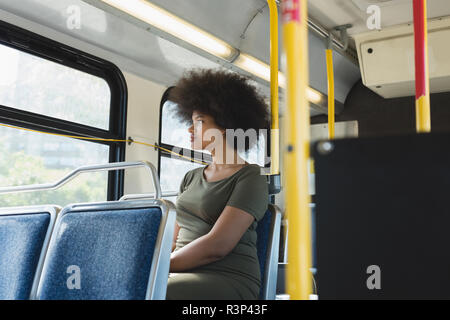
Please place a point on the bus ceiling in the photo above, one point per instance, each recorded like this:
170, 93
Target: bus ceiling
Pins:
154, 55
243, 26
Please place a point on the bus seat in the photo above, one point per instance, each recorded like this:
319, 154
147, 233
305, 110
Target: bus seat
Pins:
24, 237
268, 231
282, 266
108, 251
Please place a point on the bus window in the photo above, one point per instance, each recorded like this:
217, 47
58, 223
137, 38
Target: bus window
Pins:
41, 86
59, 91
174, 136
173, 132
35, 158
172, 173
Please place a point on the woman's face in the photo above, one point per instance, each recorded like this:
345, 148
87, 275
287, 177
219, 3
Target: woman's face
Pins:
205, 133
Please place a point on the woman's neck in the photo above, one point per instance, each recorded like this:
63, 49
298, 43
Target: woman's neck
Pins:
227, 158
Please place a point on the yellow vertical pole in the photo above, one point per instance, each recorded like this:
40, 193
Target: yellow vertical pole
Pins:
331, 106
296, 151
423, 114
275, 129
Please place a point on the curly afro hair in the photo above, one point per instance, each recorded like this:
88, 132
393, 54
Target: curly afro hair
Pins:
227, 97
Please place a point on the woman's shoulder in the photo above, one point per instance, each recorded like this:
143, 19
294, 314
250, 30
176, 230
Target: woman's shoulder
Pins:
253, 174
248, 171
194, 172
253, 170
189, 177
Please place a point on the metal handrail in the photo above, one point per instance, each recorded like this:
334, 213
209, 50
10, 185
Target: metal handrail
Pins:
275, 129
89, 168
151, 195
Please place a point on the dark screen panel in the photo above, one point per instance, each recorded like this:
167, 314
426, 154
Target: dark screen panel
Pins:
385, 202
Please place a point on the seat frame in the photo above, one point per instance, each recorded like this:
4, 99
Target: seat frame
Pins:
53, 211
271, 266
159, 272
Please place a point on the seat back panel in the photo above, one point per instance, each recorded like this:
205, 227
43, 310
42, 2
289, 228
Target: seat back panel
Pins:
109, 253
268, 232
22, 238
263, 231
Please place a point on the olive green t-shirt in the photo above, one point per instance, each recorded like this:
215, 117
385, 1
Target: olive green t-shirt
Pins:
200, 204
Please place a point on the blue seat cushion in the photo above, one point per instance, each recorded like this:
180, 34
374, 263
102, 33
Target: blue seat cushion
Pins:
263, 232
21, 242
112, 249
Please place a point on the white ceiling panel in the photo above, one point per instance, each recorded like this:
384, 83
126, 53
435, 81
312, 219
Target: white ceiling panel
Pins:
332, 13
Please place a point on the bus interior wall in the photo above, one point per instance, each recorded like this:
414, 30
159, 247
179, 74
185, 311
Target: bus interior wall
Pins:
142, 124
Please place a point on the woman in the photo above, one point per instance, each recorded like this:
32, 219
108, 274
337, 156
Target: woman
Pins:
219, 205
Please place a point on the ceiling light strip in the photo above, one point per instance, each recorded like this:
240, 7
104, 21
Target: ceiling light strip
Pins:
164, 20
167, 22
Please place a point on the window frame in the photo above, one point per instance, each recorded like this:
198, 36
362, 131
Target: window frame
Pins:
45, 48
193, 155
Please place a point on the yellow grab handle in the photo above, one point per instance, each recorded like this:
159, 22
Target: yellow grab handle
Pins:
331, 107
275, 136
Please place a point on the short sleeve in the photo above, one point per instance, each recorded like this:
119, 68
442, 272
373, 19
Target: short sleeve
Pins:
251, 193
186, 181
183, 184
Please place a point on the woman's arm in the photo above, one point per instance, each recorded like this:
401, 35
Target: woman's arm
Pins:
175, 236
221, 240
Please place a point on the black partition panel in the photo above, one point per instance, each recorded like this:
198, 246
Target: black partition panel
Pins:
383, 217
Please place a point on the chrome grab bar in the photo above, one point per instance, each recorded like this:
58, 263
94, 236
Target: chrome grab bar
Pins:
140, 196
90, 168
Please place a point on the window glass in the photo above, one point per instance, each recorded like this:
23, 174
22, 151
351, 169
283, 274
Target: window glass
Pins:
173, 131
35, 158
172, 173
44, 87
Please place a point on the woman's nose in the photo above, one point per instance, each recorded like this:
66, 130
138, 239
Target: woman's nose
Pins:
191, 129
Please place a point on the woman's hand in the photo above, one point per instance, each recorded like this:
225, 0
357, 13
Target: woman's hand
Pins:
175, 236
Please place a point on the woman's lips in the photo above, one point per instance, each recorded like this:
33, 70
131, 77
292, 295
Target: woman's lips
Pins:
192, 138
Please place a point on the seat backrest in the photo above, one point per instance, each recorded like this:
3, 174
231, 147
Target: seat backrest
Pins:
268, 231
110, 250
24, 237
